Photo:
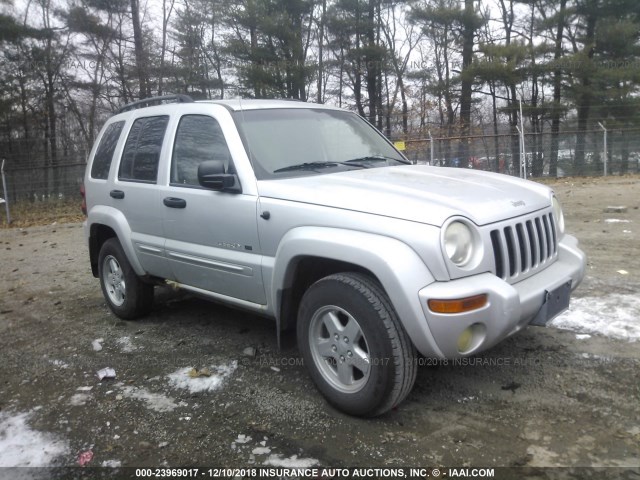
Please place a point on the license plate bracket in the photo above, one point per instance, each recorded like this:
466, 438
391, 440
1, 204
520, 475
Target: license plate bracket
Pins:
555, 302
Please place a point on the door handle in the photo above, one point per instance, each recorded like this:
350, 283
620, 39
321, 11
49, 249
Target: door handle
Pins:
173, 202
119, 194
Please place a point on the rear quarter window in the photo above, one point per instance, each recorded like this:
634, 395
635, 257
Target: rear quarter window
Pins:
104, 153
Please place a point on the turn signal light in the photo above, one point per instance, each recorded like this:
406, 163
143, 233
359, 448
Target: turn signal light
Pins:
459, 305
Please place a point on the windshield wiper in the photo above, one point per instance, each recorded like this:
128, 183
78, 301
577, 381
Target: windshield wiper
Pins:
376, 158
313, 165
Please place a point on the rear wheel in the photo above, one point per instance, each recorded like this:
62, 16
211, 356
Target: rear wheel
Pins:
126, 294
354, 346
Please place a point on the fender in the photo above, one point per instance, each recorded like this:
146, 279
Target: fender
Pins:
396, 265
115, 219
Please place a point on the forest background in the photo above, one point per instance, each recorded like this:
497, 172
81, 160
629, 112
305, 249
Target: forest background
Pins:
461, 75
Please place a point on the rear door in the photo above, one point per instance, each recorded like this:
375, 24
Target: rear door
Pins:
211, 237
135, 191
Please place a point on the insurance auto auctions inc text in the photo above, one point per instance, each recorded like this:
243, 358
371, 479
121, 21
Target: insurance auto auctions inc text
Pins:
376, 472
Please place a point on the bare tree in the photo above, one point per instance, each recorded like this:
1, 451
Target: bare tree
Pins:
408, 38
142, 65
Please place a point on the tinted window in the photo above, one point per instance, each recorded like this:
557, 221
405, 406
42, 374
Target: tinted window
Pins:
142, 150
199, 138
104, 154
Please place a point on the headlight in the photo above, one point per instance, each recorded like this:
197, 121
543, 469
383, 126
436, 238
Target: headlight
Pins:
558, 215
458, 243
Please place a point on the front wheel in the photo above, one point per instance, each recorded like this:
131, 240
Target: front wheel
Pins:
126, 294
353, 344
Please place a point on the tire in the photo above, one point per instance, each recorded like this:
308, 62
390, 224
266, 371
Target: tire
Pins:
370, 366
126, 294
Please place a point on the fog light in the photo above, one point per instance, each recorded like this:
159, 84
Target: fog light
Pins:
459, 305
471, 337
464, 340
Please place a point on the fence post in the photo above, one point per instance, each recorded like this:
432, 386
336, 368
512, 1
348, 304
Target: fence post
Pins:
4, 192
523, 160
604, 157
523, 156
432, 147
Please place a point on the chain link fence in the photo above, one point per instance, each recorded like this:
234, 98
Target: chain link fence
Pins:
35, 180
39, 184
502, 152
33, 173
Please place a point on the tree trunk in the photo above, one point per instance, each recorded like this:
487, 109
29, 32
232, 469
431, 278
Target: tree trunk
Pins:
163, 48
141, 60
371, 65
557, 93
468, 33
585, 98
405, 106
495, 166
537, 158
319, 98
515, 139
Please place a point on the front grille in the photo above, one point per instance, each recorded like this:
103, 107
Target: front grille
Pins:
524, 246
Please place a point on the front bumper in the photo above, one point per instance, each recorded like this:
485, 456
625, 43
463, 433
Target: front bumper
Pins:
509, 307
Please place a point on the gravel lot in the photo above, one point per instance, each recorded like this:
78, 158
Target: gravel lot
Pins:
542, 398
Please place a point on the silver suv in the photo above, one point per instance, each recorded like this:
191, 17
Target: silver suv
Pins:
307, 214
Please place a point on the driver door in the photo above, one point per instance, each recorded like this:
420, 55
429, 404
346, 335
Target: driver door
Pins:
211, 236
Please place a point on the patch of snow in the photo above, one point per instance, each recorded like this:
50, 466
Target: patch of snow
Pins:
112, 463
79, 399
155, 401
249, 352
466, 399
59, 363
243, 438
277, 460
583, 336
181, 378
84, 389
20, 446
126, 344
261, 451
615, 220
97, 344
615, 316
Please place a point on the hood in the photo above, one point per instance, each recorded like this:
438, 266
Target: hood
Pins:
417, 193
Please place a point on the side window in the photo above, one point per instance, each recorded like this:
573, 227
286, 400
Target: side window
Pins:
142, 151
104, 153
199, 138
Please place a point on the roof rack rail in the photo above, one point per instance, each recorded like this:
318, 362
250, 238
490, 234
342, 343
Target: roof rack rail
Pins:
179, 98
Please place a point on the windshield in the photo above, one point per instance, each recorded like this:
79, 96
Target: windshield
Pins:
305, 141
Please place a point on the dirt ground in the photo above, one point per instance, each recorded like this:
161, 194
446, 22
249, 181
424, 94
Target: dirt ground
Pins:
541, 398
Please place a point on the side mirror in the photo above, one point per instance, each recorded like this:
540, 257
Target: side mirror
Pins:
211, 175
